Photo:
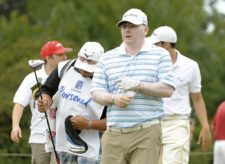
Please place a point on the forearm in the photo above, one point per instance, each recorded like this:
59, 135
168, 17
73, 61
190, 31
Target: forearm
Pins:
200, 109
102, 98
97, 124
201, 114
155, 89
51, 84
17, 114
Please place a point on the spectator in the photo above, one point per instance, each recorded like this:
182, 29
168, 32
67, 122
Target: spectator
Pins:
218, 127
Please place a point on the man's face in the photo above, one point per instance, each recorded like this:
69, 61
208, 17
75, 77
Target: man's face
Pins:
90, 62
53, 60
85, 73
133, 33
160, 44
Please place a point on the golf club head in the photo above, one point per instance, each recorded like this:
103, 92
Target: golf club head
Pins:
35, 63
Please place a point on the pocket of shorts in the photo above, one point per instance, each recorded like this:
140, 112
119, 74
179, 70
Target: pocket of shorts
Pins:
185, 154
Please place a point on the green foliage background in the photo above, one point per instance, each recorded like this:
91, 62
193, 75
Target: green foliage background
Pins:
25, 25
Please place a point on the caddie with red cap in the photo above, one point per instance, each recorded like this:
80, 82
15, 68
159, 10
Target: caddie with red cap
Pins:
28, 93
53, 48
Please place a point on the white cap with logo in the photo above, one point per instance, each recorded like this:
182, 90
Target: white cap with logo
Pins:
163, 34
134, 16
89, 51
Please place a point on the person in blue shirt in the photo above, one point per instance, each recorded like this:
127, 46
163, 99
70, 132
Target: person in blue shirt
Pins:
131, 80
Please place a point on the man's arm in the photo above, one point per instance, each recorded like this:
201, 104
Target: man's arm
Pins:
155, 89
80, 122
107, 99
51, 84
200, 109
17, 113
49, 88
44, 103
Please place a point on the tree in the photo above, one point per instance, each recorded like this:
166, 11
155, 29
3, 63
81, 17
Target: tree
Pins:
28, 25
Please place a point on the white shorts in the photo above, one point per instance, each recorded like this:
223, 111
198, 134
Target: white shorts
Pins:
175, 141
219, 152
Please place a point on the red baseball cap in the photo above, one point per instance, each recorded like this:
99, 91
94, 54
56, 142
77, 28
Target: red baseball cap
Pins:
53, 48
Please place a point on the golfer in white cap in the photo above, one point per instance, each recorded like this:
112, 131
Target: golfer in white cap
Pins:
176, 122
130, 80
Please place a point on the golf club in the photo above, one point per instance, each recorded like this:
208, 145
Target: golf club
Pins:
35, 64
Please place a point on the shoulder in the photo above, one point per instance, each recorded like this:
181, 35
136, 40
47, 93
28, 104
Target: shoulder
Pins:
62, 64
111, 54
29, 77
153, 49
188, 61
158, 50
117, 50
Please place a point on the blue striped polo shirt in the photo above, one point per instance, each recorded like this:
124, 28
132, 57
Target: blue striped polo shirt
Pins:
152, 64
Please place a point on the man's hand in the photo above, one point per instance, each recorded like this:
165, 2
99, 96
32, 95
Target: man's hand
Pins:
16, 134
127, 83
42, 105
205, 138
122, 100
79, 122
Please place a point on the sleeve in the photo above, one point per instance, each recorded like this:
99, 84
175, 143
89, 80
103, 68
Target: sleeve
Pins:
166, 74
195, 85
23, 93
99, 80
50, 86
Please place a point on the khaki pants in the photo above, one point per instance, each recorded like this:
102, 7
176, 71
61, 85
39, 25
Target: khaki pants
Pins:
138, 147
40, 156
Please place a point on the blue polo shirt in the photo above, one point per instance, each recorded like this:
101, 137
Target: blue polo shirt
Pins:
152, 64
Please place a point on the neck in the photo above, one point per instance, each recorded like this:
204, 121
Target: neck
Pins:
48, 69
133, 49
173, 55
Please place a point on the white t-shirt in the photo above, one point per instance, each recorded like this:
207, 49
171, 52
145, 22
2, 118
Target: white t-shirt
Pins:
188, 80
24, 97
75, 99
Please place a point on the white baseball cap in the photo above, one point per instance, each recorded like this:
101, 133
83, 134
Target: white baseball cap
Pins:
134, 16
89, 51
163, 34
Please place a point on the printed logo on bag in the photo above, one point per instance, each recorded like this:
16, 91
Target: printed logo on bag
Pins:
79, 84
73, 97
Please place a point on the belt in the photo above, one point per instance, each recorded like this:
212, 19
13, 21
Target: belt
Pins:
134, 128
176, 117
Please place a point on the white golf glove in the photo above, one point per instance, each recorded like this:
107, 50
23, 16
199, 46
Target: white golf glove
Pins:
127, 83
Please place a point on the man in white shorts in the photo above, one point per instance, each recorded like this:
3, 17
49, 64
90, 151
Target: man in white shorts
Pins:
176, 123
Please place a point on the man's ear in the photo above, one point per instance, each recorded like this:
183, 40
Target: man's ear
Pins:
146, 30
166, 45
